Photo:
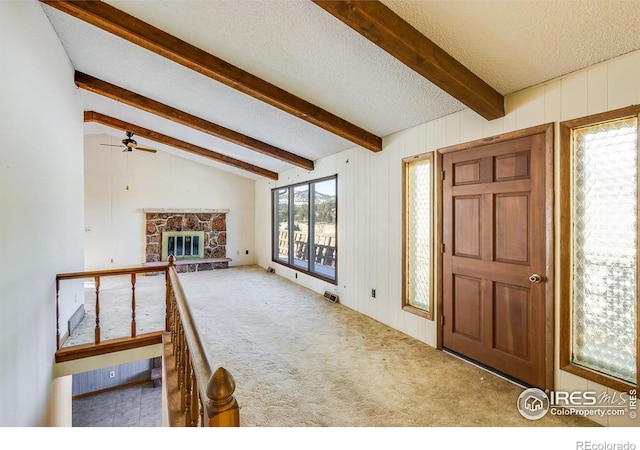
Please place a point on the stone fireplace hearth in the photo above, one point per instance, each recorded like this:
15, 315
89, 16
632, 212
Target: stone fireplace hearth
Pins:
213, 224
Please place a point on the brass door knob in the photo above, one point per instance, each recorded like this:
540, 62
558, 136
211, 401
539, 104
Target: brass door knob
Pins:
535, 278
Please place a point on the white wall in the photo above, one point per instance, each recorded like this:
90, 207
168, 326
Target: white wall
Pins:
41, 206
370, 193
114, 216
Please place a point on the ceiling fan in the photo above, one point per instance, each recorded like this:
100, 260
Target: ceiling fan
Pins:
129, 144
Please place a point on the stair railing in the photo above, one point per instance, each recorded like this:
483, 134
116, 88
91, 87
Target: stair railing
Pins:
206, 396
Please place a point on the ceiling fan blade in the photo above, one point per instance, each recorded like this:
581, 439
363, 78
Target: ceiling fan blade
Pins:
112, 145
150, 150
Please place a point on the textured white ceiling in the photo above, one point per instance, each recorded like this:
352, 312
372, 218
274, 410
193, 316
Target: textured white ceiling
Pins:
515, 44
299, 47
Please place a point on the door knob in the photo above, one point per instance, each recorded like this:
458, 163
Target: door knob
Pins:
535, 278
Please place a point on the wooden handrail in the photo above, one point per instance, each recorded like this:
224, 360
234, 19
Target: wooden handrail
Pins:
158, 267
206, 396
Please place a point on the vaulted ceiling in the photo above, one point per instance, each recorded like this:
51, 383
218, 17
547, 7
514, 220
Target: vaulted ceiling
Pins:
258, 87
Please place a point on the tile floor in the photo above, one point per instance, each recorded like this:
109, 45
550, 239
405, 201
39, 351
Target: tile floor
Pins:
135, 406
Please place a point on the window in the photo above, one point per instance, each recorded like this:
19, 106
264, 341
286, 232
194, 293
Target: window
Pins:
281, 214
418, 260
304, 227
599, 242
301, 227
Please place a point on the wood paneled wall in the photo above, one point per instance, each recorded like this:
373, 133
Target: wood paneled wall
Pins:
370, 195
124, 374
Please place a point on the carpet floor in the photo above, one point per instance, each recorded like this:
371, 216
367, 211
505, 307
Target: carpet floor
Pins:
301, 361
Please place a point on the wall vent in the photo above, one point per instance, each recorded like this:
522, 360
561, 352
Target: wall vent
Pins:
271, 270
333, 298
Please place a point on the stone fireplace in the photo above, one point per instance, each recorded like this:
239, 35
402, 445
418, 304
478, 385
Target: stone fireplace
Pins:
181, 226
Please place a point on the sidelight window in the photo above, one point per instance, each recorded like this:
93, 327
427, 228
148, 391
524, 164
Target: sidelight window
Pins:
418, 259
600, 248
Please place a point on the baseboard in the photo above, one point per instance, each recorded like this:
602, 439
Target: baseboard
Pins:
111, 388
75, 319
63, 338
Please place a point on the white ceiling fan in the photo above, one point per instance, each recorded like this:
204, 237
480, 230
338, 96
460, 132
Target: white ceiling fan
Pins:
129, 144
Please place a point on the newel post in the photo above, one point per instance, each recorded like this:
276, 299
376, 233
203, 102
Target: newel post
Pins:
222, 407
167, 310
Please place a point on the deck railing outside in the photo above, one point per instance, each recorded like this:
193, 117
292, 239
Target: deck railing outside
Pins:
324, 247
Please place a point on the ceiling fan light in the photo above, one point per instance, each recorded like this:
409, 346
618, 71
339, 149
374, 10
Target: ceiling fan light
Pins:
130, 144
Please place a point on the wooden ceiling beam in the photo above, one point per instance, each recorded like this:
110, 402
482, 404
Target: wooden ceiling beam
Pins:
386, 29
121, 24
117, 93
92, 116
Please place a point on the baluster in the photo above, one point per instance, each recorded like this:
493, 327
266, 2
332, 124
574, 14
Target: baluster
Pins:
182, 371
179, 354
185, 394
177, 324
178, 344
195, 399
133, 305
97, 331
57, 314
173, 323
222, 407
174, 313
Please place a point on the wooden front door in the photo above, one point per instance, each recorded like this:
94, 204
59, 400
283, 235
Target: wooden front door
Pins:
497, 216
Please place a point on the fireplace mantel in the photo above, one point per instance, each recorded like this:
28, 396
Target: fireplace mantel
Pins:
184, 211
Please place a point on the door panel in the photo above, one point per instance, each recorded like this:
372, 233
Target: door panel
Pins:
467, 303
467, 227
511, 306
467, 172
512, 228
512, 166
494, 234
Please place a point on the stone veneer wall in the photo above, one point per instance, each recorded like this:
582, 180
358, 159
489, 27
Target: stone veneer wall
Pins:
212, 222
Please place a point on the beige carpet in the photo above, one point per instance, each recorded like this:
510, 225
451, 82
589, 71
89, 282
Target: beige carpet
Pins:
301, 361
